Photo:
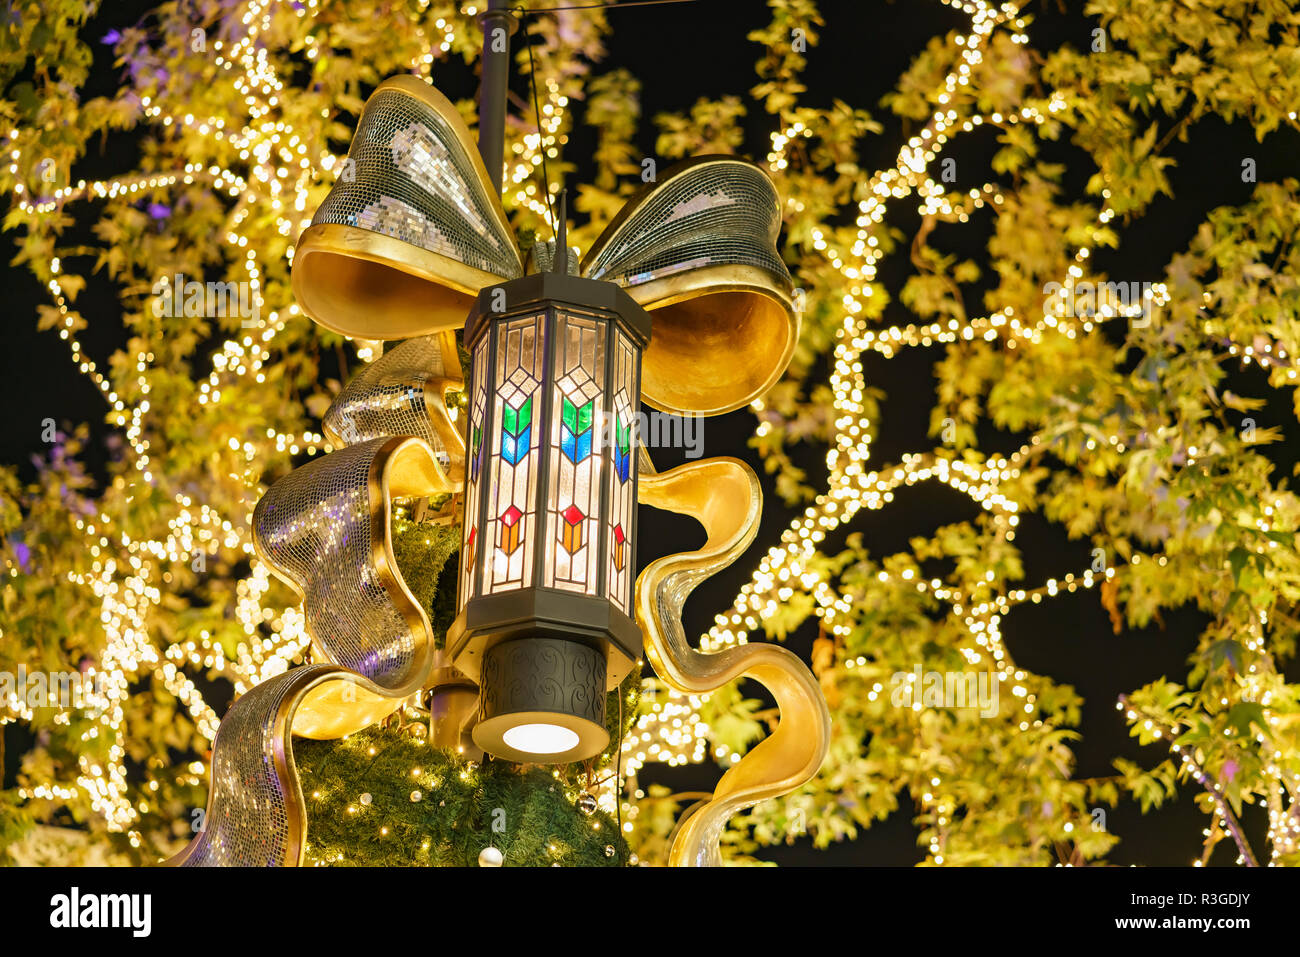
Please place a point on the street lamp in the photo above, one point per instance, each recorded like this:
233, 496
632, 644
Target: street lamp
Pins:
548, 546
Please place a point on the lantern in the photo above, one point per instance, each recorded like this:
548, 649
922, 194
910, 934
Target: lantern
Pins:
548, 550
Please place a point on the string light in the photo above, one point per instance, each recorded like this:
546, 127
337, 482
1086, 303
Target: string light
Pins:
125, 575
673, 732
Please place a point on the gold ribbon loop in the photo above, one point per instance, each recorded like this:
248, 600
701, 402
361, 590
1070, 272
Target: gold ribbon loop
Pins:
412, 228
404, 392
324, 529
698, 250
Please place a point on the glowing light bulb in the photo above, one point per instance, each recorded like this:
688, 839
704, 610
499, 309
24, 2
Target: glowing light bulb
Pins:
540, 738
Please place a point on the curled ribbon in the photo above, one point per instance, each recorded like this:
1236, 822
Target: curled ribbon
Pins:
324, 529
256, 814
724, 496
399, 249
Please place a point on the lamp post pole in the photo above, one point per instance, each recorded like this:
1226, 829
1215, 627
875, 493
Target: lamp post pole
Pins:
453, 699
497, 24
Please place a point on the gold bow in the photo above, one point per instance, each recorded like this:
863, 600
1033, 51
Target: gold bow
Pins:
412, 231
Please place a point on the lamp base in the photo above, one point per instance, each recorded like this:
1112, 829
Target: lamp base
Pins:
542, 701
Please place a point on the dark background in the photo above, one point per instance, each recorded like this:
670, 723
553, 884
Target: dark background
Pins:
686, 51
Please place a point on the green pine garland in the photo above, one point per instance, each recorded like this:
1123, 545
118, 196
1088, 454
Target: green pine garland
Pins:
424, 555
426, 806
384, 798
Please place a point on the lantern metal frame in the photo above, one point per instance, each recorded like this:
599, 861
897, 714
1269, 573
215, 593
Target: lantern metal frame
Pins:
535, 611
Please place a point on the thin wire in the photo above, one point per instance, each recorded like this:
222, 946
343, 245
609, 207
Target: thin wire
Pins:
521, 12
603, 6
541, 139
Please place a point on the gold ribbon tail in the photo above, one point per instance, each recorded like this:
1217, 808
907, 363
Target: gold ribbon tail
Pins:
325, 530
724, 496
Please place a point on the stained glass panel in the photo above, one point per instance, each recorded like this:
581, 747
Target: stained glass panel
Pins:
513, 444
578, 455
622, 476
473, 469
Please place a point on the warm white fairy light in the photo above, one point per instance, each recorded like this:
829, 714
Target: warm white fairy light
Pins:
525, 167
127, 576
785, 568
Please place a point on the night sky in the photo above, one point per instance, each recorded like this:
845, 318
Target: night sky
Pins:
687, 51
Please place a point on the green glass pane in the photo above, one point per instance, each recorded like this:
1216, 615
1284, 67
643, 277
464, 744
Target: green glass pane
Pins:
514, 421
568, 415
584, 417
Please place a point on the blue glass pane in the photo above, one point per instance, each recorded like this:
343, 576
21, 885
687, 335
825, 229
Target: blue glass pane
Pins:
512, 449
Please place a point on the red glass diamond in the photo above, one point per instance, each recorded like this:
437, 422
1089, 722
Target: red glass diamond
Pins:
619, 540
510, 530
571, 538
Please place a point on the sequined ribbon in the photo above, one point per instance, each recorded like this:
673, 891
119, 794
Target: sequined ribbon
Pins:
324, 529
409, 234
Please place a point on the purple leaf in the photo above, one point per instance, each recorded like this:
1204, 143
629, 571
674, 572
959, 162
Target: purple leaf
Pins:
23, 553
